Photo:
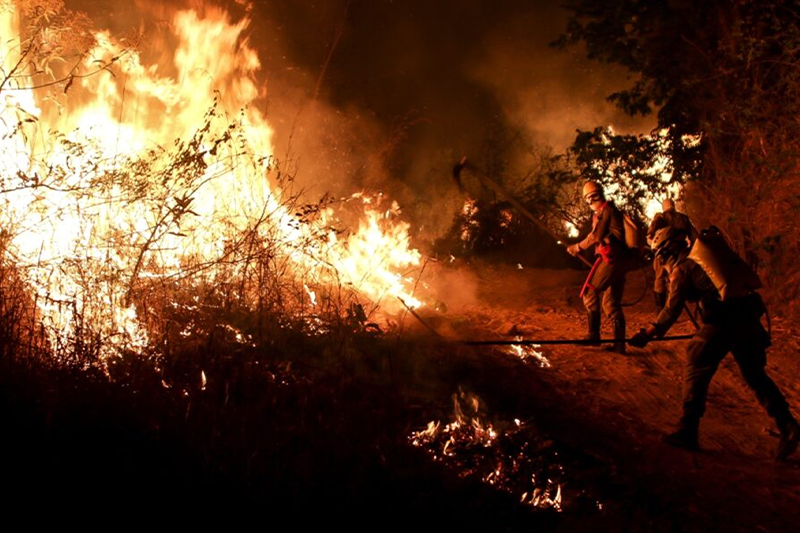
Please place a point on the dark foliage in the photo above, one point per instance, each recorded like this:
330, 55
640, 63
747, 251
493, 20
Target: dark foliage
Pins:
496, 231
725, 74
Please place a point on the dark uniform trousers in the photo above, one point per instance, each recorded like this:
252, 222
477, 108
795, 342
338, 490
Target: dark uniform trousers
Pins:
661, 283
746, 339
608, 279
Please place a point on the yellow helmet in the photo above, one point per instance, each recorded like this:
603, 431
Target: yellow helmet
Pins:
592, 191
668, 242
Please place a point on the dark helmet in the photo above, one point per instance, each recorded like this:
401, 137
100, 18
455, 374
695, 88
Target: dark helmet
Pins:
669, 242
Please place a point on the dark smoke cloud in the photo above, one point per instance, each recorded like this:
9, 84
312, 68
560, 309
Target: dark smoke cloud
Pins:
548, 92
425, 82
388, 94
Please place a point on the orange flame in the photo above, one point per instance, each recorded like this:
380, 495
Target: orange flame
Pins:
87, 227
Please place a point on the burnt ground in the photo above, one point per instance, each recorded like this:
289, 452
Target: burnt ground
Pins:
316, 440
617, 408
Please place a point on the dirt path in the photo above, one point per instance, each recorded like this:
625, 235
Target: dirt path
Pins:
619, 407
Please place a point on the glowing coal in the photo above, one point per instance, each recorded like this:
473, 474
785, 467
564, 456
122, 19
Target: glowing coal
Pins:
529, 352
509, 456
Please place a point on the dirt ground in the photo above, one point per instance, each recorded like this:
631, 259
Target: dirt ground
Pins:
619, 407
343, 434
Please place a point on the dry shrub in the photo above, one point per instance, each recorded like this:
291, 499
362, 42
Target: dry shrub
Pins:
155, 289
754, 199
20, 333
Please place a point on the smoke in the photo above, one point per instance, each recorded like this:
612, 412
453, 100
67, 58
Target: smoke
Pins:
546, 92
400, 91
387, 95
457, 287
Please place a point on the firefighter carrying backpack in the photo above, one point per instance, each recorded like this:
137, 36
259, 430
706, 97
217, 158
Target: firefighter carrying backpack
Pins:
635, 240
729, 273
634, 233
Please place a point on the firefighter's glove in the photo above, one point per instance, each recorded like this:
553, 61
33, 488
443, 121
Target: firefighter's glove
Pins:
640, 339
573, 249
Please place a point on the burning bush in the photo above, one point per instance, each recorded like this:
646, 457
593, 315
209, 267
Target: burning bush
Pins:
495, 230
132, 194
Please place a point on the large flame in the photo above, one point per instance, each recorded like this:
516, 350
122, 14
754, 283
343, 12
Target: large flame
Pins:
99, 195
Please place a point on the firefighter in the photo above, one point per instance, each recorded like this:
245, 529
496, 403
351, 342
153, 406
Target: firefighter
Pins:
668, 217
730, 325
607, 238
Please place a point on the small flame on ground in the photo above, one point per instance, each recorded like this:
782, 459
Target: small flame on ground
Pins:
544, 498
528, 352
500, 457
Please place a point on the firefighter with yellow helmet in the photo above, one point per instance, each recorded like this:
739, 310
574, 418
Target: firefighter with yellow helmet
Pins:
607, 280
731, 312
668, 217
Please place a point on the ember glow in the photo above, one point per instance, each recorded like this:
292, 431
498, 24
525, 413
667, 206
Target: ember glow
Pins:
508, 456
138, 175
529, 352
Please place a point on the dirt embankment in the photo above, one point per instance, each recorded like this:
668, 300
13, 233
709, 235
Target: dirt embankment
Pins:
618, 408
324, 435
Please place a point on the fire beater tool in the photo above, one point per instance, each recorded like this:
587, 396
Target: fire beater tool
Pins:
499, 189
528, 342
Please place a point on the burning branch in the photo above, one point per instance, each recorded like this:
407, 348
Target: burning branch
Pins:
509, 456
111, 242
499, 189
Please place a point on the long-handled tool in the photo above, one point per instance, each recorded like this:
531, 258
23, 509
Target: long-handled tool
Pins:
542, 342
500, 190
528, 342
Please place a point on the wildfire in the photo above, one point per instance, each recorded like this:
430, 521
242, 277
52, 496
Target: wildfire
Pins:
512, 459
150, 172
529, 352
469, 211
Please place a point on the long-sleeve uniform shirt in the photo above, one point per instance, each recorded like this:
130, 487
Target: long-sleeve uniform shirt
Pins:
608, 232
672, 218
688, 282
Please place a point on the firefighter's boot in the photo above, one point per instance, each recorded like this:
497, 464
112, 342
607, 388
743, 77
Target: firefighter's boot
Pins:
790, 439
619, 336
593, 318
686, 435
